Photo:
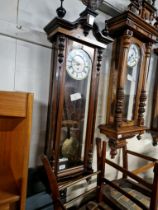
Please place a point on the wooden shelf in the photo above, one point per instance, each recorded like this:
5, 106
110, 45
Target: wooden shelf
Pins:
8, 188
9, 196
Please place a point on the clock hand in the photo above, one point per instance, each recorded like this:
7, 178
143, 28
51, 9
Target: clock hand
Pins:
131, 56
76, 62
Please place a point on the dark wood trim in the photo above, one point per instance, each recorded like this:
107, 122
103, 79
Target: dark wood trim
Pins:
141, 155
71, 183
112, 184
153, 203
154, 112
130, 174
125, 159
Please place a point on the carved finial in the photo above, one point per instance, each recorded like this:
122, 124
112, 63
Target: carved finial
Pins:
156, 23
152, 2
105, 31
149, 1
139, 137
155, 140
61, 11
141, 111
135, 6
137, 3
88, 16
92, 4
113, 148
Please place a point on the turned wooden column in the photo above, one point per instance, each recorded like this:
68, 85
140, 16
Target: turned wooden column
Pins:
125, 43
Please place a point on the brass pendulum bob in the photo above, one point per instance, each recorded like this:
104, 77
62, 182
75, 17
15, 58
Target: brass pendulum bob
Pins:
70, 147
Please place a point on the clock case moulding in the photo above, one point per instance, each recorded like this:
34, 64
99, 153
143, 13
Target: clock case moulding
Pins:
138, 25
154, 113
59, 32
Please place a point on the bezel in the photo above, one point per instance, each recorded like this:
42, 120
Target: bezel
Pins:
87, 63
132, 61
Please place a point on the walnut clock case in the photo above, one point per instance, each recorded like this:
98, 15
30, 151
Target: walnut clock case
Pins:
76, 62
154, 113
134, 32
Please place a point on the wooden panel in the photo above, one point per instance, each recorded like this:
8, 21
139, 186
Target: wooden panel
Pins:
6, 197
15, 131
4, 207
13, 104
8, 188
20, 151
7, 206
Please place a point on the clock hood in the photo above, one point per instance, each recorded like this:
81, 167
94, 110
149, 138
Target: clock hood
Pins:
83, 28
140, 19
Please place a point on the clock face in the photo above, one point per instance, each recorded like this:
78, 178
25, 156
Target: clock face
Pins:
133, 55
78, 64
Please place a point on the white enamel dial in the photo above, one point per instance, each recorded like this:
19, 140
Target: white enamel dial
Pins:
78, 64
133, 55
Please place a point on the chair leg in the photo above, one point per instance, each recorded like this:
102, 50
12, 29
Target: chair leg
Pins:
125, 159
101, 155
154, 197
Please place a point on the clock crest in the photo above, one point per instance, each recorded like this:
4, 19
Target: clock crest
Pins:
92, 4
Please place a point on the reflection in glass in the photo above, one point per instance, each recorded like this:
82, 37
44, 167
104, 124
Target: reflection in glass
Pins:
131, 82
75, 113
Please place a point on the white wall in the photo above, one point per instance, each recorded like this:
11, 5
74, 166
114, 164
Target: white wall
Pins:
25, 57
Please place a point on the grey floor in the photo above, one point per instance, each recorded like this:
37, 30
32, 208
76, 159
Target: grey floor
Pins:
40, 201
38, 197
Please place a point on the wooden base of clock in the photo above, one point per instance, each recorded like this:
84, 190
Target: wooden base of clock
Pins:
122, 132
117, 137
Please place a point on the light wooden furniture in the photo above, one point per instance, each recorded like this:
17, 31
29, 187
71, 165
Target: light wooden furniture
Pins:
15, 130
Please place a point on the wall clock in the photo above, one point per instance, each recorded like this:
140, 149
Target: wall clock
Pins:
134, 31
76, 62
